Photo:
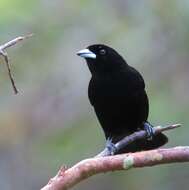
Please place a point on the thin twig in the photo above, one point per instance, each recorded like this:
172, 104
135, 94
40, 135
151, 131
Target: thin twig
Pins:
6, 58
14, 41
136, 136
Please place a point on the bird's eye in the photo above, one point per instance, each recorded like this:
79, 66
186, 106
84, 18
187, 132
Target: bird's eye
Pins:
102, 52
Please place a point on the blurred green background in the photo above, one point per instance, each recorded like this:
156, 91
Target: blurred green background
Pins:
50, 122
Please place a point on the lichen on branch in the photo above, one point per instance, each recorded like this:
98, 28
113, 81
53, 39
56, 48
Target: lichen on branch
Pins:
67, 178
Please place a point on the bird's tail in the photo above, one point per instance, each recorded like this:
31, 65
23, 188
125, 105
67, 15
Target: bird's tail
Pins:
144, 144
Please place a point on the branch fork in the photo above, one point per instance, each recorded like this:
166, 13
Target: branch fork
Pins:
67, 178
4, 54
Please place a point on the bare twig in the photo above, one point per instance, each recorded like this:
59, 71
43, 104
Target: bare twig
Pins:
136, 136
5, 56
67, 178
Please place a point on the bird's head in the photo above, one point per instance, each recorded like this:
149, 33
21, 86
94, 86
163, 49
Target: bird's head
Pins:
102, 59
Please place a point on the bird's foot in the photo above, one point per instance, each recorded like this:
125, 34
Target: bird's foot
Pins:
149, 130
110, 147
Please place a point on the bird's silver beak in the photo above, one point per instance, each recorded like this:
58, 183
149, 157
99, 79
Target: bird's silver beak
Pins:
86, 53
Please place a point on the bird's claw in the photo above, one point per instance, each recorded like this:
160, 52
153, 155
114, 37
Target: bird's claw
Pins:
149, 130
110, 147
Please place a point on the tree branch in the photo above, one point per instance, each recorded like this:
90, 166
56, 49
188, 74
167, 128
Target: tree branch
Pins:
136, 136
67, 178
6, 58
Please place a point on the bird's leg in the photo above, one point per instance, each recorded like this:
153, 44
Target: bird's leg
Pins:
149, 130
110, 146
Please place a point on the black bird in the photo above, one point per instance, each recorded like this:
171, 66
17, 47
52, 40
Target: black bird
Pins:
117, 93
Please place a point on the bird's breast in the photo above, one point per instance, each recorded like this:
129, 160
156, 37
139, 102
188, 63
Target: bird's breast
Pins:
108, 91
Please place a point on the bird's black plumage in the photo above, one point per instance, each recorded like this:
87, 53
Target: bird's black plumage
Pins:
117, 93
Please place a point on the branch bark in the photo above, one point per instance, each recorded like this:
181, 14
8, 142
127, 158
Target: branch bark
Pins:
67, 178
